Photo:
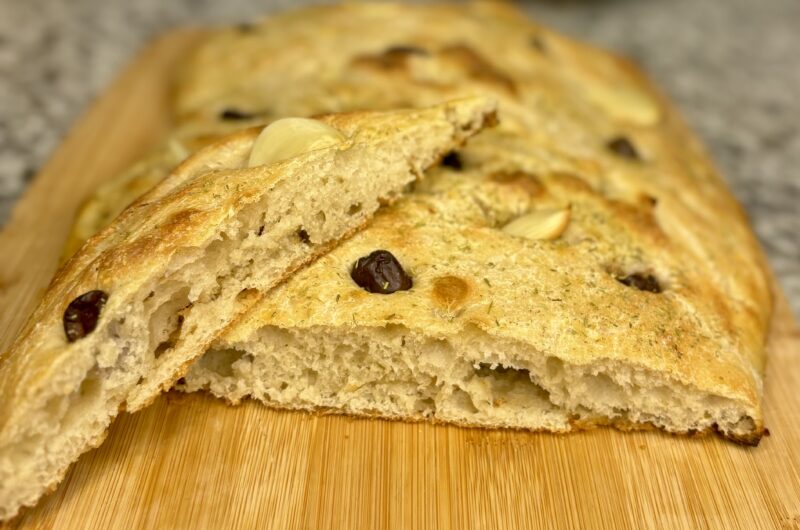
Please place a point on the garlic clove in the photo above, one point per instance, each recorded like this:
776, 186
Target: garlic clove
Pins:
547, 224
290, 137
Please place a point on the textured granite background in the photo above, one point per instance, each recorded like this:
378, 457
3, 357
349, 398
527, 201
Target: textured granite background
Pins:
732, 66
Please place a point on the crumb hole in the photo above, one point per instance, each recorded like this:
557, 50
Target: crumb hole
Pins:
246, 295
222, 361
463, 401
311, 376
166, 321
426, 406
169, 343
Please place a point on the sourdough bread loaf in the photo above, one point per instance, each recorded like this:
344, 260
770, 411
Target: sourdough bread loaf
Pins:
657, 295
619, 283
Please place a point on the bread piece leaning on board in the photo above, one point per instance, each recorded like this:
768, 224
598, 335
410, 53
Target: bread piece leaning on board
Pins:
624, 287
139, 301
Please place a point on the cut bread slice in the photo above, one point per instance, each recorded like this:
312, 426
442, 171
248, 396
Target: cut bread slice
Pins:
138, 302
535, 329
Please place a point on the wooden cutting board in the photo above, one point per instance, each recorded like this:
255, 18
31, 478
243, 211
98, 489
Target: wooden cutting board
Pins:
192, 462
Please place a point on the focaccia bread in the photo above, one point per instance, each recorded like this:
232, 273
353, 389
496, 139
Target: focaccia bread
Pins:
138, 302
650, 308
563, 106
638, 200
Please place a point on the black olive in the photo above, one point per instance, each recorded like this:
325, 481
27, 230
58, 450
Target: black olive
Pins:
28, 174
623, 147
235, 115
537, 43
381, 273
643, 282
406, 49
453, 160
81, 315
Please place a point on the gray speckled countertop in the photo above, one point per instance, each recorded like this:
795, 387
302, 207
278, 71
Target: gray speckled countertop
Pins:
732, 66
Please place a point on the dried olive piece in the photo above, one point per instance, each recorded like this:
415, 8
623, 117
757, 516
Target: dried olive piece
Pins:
623, 147
537, 42
643, 282
381, 273
81, 315
235, 115
453, 160
406, 49
392, 58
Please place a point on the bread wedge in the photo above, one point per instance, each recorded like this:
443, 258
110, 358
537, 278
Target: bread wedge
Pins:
541, 327
126, 315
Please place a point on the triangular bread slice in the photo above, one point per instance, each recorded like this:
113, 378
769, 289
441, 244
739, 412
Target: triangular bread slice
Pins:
511, 319
182, 262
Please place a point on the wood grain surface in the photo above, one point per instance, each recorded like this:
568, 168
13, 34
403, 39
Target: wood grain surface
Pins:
192, 462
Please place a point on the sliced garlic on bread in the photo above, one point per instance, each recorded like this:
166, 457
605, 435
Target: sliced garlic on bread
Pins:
547, 224
290, 137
